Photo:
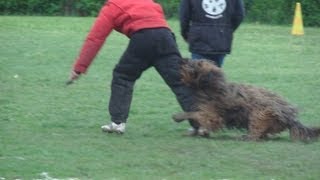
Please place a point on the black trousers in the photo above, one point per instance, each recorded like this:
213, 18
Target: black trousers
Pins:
147, 48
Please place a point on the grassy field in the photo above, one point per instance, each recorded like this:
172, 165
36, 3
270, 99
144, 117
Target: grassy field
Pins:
48, 130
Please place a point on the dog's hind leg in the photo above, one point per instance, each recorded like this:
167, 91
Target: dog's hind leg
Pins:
262, 123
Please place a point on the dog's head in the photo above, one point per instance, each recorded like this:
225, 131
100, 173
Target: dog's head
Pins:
200, 73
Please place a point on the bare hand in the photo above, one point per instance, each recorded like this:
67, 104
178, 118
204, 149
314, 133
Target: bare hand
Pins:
73, 76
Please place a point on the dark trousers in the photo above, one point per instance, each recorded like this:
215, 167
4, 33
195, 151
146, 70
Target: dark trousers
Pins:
147, 48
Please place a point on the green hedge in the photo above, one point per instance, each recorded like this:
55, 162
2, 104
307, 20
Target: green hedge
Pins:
275, 11
282, 11
311, 12
51, 7
269, 12
170, 7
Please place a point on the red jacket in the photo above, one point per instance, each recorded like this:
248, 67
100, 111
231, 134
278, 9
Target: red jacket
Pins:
125, 16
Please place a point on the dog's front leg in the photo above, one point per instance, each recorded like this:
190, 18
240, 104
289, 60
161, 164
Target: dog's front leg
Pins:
184, 116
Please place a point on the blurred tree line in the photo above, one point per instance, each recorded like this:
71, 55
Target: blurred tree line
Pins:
262, 11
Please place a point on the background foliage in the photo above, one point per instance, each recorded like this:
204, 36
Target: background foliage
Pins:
271, 12
51, 7
281, 12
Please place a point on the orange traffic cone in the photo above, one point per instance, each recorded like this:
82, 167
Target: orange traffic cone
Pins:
297, 28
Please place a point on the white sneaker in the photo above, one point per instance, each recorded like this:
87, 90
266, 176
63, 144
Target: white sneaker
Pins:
113, 127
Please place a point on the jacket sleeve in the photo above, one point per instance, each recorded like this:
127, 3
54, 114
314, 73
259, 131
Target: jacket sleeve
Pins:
95, 39
238, 14
185, 18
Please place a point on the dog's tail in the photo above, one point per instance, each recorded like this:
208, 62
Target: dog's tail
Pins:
300, 132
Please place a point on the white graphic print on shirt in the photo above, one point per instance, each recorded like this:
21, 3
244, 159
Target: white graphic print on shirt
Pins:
214, 8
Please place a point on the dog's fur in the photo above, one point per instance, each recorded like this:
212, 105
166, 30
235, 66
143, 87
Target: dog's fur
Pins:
222, 104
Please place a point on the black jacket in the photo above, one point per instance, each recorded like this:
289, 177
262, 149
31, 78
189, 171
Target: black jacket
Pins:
208, 25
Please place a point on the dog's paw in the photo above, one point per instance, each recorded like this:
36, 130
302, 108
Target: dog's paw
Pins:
203, 132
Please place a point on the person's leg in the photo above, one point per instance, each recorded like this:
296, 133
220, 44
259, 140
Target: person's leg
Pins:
168, 63
121, 96
218, 59
168, 68
127, 71
196, 56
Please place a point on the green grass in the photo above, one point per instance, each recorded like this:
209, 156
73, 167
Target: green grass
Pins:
47, 127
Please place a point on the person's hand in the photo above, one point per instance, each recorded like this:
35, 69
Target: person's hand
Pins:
73, 76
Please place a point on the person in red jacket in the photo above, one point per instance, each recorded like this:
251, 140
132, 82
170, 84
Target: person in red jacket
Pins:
152, 44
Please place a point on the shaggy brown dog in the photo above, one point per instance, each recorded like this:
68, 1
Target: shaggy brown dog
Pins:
221, 104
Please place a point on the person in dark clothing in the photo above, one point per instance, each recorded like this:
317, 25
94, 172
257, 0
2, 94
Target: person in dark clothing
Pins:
208, 27
152, 44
